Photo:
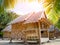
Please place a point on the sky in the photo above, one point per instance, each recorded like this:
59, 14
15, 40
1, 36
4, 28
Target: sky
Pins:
23, 8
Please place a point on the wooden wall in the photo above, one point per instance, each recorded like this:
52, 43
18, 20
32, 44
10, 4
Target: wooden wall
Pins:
6, 34
17, 30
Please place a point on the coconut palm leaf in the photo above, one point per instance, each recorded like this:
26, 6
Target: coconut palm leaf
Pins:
9, 3
52, 10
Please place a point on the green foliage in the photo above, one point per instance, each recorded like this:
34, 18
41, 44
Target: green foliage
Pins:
6, 17
52, 10
53, 16
9, 3
57, 5
1, 33
58, 24
1, 2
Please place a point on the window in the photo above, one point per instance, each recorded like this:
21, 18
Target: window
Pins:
42, 31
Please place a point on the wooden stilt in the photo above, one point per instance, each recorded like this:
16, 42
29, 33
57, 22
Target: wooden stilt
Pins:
39, 33
25, 41
11, 40
48, 34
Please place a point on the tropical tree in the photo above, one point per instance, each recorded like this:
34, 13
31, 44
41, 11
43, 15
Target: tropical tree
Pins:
6, 17
52, 10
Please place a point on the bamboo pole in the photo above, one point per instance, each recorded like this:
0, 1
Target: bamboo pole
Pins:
39, 33
48, 34
11, 38
25, 40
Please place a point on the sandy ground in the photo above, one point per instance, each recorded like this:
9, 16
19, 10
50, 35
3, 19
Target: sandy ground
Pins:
52, 42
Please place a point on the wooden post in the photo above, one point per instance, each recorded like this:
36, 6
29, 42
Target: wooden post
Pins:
11, 38
25, 40
24, 36
48, 33
39, 33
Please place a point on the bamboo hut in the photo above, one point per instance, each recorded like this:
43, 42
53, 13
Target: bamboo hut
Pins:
31, 26
7, 32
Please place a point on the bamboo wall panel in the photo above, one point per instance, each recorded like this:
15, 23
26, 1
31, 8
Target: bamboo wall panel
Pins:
6, 34
31, 30
16, 30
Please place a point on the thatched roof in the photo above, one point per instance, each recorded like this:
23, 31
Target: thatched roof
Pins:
35, 17
8, 28
20, 18
29, 18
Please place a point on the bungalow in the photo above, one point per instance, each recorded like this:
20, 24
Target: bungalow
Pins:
30, 27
